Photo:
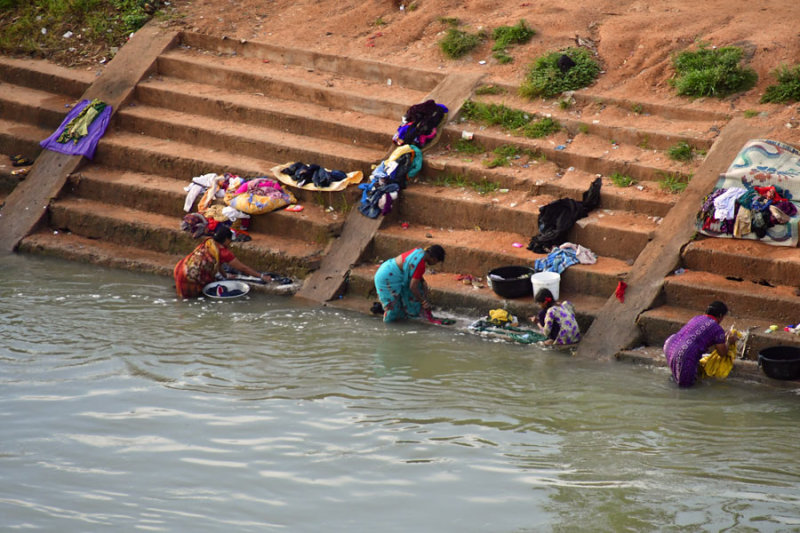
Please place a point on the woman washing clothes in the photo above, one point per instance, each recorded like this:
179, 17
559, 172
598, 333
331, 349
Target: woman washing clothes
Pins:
200, 267
557, 321
701, 334
400, 283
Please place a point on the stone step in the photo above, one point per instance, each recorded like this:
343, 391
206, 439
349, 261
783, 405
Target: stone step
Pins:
777, 304
744, 258
20, 138
32, 106
583, 152
610, 233
478, 252
280, 57
244, 140
166, 196
447, 292
293, 117
39, 74
659, 323
545, 177
159, 233
289, 82
632, 124
108, 254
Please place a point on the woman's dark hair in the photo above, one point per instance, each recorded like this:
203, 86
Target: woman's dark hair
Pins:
717, 309
222, 234
436, 251
543, 295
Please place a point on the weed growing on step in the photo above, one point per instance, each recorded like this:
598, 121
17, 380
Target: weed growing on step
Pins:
505, 153
379, 22
457, 43
673, 183
489, 89
788, 87
750, 113
712, 72
484, 186
541, 128
583, 128
450, 21
514, 120
644, 144
506, 36
546, 79
637, 109
465, 146
38, 27
682, 151
621, 180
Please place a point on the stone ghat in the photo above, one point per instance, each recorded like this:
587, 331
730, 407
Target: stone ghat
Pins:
207, 104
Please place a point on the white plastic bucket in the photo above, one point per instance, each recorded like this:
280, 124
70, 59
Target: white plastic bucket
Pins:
546, 280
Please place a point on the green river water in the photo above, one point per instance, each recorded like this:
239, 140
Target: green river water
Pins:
123, 409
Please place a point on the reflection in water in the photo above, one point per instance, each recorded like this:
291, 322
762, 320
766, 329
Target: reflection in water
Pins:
123, 408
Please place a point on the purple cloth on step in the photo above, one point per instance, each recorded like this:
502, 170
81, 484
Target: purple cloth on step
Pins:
86, 145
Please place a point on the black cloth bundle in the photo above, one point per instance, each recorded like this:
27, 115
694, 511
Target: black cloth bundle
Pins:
558, 217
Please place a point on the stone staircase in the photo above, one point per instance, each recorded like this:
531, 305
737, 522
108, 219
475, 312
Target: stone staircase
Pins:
219, 105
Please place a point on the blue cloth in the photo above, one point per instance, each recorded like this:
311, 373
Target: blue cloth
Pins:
87, 145
556, 261
392, 284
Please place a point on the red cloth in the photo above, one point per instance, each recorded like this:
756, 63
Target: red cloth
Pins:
620, 292
420, 270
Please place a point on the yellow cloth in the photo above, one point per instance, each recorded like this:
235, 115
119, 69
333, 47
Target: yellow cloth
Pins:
352, 177
714, 365
501, 317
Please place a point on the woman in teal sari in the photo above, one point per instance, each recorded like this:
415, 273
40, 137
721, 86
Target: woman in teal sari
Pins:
400, 284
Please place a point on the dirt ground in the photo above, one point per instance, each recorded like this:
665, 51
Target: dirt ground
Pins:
634, 39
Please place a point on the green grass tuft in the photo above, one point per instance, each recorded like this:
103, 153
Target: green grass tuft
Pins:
465, 146
681, 152
715, 72
489, 89
546, 79
457, 43
673, 183
621, 180
541, 128
495, 114
787, 88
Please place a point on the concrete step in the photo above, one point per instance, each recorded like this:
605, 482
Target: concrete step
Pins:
293, 117
289, 82
40, 74
108, 254
159, 233
447, 292
630, 123
609, 233
478, 252
545, 177
245, 140
694, 289
659, 323
743, 258
21, 138
165, 196
31, 106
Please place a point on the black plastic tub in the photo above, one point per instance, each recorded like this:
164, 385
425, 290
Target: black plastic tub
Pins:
513, 282
780, 362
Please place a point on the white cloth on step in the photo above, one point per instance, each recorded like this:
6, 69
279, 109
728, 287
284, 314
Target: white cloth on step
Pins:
725, 203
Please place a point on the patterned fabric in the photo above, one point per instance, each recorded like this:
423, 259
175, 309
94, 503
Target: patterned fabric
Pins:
562, 315
684, 349
392, 284
199, 268
85, 144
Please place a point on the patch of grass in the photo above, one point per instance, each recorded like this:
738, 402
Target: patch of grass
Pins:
546, 79
644, 144
449, 21
541, 128
505, 36
484, 186
465, 146
502, 57
564, 104
673, 183
621, 180
712, 72
495, 115
98, 27
450, 180
457, 43
489, 89
682, 151
583, 128
787, 88
750, 113
637, 109
379, 22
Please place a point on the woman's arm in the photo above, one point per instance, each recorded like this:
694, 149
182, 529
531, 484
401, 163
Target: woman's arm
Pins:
417, 288
238, 265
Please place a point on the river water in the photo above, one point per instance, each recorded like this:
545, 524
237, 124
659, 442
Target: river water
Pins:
123, 409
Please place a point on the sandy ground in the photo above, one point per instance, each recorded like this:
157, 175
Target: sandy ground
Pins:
634, 39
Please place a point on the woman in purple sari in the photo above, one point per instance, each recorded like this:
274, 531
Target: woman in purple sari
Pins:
700, 335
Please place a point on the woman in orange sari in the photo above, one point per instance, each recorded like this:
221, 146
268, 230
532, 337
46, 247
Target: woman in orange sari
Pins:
200, 267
